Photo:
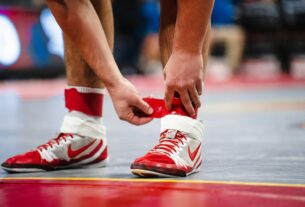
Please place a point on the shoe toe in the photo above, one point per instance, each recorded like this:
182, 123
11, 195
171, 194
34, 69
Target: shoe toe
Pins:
153, 159
31, 157
156, 163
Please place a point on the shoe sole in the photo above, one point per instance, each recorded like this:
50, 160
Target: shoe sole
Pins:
22, 170
30, 170
147, 173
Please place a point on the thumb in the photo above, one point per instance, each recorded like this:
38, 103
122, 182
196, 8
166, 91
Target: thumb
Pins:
143, 106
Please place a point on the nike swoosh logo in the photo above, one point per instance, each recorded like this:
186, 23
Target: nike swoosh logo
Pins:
74, 153
194, 153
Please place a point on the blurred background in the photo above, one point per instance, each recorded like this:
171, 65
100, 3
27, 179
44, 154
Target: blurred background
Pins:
256, 39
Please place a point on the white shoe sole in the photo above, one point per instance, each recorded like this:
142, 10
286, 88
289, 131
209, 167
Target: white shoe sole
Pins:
74, 166
23, 170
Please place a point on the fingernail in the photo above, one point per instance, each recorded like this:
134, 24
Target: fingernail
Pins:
150, 110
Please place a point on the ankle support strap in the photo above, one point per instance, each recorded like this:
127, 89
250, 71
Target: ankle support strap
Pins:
192, 127
160, 110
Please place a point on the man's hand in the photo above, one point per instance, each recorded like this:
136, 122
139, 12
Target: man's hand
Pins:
125, 99
183, 74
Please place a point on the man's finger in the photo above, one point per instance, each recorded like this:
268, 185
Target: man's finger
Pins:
130, 117
169, 93
143, 106
186, 101
194, 96
139, 120
199, 87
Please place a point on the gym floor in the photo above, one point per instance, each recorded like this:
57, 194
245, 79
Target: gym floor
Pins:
254, 149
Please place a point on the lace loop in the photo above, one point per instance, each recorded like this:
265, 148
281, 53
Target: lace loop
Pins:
52, 142
168, 145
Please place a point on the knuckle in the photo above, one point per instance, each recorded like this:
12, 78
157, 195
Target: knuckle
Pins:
167, 91
180, 85
121, 117
138, 102
191, 81
198, 79
137, 123
170, 84
190, 84
198, 103
134, 99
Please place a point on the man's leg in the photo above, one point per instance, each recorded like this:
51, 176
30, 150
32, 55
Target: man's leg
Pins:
82, 139
168, 17
78, 71
85, 119
179, 150
80, 22
167, 30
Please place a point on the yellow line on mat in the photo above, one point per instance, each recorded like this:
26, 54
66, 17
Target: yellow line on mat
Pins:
154, 181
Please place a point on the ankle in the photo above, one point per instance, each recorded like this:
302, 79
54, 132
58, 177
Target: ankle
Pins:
86, 100
85, 112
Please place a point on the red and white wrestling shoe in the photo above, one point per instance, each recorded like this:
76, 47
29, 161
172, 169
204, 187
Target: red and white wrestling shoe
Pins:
81, 143
65, 151
178, 152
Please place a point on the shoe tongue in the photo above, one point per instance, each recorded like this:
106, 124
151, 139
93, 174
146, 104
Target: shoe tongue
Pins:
171, 133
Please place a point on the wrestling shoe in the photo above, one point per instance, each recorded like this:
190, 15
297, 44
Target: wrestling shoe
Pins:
178, 152
65, 151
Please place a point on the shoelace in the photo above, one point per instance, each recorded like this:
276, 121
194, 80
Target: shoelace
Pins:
52, 142
167, 145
